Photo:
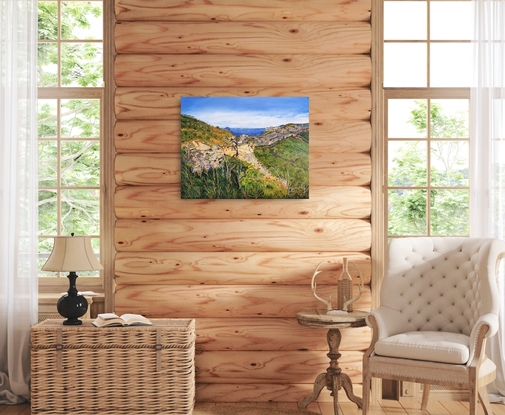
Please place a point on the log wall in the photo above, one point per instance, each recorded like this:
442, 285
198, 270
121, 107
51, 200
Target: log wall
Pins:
242, 268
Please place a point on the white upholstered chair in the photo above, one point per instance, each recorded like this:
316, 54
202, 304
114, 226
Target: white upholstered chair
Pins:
438, 305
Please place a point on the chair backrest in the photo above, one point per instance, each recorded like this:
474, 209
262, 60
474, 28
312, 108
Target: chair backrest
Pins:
442, 283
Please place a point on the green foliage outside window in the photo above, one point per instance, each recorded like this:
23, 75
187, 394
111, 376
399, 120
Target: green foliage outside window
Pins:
430, 197
69, 55
80, 61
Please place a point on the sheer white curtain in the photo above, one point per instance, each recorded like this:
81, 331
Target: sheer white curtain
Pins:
18, 194
487, 177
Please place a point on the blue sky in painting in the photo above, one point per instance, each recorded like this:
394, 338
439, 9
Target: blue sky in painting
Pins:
247, 112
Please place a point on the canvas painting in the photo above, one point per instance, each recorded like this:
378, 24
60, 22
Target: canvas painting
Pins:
245, 147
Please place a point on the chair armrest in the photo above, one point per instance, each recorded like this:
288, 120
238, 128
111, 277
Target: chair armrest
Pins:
485, 327
388, 321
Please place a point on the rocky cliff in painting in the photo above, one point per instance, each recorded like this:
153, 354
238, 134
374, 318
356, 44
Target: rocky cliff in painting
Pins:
275, 134
218, 164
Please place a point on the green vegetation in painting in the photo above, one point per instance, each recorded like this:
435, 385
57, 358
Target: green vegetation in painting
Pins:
288, 159
194, 129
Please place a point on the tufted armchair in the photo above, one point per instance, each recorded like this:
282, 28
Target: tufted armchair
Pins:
439, 304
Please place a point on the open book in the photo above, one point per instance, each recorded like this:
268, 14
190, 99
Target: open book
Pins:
113, 320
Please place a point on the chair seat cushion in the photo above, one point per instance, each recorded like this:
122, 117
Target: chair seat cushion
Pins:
434, 346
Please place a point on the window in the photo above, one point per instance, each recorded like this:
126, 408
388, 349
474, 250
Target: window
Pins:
427, 66
71, 95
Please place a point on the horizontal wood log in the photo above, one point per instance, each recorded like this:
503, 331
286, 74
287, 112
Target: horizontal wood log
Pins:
164, 136
138, 169
259, 10
256, 235
255, 37
240, 301
164, 202
339, 169
270, 366
278, 392
152, 136
235, 268
340, 136
327, 104
272, 334
248, 69
326, 169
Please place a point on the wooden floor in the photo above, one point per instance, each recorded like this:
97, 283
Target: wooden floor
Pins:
346, 408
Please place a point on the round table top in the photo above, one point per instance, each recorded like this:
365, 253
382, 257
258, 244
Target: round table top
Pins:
320, 318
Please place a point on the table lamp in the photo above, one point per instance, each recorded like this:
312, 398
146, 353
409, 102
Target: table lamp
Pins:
72, 254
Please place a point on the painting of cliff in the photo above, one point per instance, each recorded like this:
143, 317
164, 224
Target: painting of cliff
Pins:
244, 147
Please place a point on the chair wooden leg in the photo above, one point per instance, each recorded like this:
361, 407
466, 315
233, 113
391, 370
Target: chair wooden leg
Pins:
426, 396
484, 400
367, 382
473, 399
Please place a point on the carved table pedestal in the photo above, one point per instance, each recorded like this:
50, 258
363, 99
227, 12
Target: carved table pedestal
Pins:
334, 379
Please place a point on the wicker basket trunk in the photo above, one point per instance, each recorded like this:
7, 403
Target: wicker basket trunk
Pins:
116, 370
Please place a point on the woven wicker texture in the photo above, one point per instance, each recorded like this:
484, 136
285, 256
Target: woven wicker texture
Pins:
116, 370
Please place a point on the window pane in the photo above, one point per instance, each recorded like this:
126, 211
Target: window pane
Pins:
95, 244
405, 65
81, 64
47, 64
48, 214
451, 65
90, 273
48, 20
449, 118
449, 163
449, 212
80, 163
44, 248
407, 212
407, 165
450, 20
80, 210
80, 118
81, 20
407, 118
405, 20
48, 164
47, 118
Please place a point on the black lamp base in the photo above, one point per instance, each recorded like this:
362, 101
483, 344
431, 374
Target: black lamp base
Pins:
72, 308
72, 305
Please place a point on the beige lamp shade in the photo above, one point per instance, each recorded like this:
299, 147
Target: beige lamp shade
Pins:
72, 253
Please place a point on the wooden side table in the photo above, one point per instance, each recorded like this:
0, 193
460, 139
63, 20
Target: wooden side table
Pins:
334, 379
